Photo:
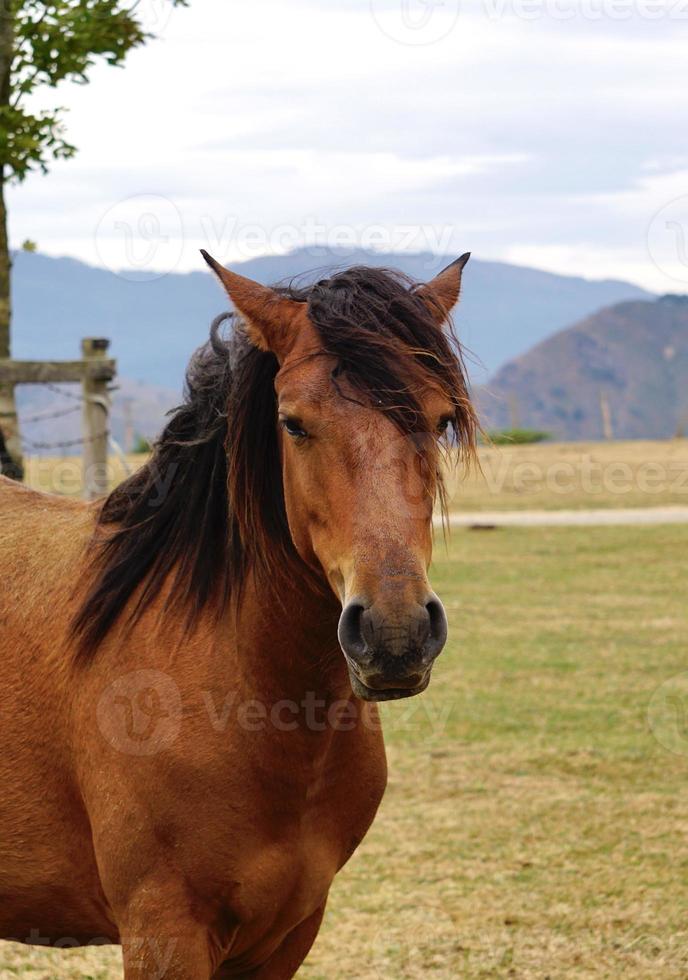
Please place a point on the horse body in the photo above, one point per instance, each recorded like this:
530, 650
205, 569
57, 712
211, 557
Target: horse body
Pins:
282, 801
45, 851
190, 747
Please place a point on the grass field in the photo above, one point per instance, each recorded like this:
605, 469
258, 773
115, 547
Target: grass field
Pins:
554, 476
543, 476
537, 815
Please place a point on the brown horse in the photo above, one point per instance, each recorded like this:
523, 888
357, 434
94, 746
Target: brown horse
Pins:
189, 740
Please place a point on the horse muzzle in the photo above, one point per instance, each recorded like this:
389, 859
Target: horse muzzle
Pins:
390, 652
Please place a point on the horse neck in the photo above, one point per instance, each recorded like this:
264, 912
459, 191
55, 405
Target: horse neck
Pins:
287, 645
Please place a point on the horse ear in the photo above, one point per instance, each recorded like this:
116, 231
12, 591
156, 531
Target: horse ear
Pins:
270, 318
442, 293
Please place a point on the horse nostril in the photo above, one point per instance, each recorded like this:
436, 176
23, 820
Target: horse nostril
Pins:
438, 626
350, 631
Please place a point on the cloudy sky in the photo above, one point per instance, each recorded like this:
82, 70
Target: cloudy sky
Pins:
549, 133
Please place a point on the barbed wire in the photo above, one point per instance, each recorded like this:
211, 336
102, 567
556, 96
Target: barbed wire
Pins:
60, 390
65, 444
46, 416
58, 414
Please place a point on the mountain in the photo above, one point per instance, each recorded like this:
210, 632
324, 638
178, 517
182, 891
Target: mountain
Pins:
630, 360
154, 325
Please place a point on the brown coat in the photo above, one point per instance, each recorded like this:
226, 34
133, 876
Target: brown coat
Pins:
224, 840
184, 764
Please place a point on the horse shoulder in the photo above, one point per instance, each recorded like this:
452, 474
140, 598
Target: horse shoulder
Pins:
42, 542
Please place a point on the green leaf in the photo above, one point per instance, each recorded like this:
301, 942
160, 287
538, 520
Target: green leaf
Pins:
49, 42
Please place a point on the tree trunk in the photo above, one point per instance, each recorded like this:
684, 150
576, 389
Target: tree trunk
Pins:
8, 410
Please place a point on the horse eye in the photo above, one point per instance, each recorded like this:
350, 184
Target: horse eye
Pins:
294, 429
443, 425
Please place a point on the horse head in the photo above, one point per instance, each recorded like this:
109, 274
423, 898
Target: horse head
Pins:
369, 388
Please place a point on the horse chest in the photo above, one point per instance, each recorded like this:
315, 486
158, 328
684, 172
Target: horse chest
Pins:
283, 881
300, 841
270, 845
286, 873
248, 829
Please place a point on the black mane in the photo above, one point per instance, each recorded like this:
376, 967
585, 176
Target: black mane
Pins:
8, 467
208, 507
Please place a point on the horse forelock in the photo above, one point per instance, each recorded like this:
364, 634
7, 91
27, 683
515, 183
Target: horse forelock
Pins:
208, 508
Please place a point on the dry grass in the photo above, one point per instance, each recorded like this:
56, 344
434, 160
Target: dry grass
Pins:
534, 826
63, 474
544, 476
554, 476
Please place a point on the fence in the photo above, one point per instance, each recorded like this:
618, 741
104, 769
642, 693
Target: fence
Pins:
95, 372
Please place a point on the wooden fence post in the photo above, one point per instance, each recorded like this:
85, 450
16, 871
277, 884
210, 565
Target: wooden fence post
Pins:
9, 426
96, 418
606, 412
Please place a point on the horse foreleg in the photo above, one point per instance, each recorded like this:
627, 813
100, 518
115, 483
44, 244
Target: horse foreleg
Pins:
162, 942
181, 953
285, 961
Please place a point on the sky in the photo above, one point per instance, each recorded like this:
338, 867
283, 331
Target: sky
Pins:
549, 133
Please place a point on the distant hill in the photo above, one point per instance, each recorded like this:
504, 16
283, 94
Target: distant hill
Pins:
633, 355
155, 325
